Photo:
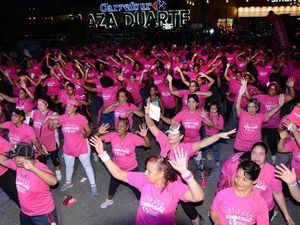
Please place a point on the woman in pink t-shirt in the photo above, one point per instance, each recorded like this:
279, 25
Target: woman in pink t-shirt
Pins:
193, 89
267, 185
268, 102
250, 121
18, 131
171, 141
32, 181
124, 146
124, 107
48, 138
160, 190
24, 101
76, 130
239, 204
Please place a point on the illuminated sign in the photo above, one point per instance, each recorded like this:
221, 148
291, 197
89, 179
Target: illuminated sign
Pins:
292, 2
132, 14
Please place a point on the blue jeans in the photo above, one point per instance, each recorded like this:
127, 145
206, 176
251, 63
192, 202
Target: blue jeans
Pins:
214, 148
45, 219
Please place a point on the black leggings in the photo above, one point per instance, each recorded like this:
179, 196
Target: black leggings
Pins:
114, 184
8, 185
272, 138
53, 156
189, 209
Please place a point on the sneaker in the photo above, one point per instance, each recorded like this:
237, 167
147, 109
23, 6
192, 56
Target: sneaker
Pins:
106, 203
203, 182
66, 186
58, 175
96, 159
274, 215
218, 164
94, 191
273, 157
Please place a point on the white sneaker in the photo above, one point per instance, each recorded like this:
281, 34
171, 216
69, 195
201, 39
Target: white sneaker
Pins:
274, 215
95, 157
106, 203
58, 175
273, 157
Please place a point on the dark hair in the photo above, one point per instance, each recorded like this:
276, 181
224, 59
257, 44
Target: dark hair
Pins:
23, 149
71, 85
255, 101
127, 93
197, 86
260, 144
20, 112
106, 81
153, 86
212, 102
125, 120
133, 75
251, 169
193, 96
163, 165
245, 156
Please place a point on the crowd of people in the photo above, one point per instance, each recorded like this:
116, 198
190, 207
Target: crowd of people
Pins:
207, 92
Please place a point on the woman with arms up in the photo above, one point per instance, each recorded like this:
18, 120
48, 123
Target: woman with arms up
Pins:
158, 184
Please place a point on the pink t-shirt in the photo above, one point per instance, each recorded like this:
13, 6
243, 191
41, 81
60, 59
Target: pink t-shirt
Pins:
267, 103
249, 131
156, 206
168, 100
53, 86
267, 184
73, 129
233, 209
5, 146
263, 75
192, 124
158, 79
165, 148
34, 194
43, 133
292, 146
218, 121
23, 133
123, 150
108, 94
134, 89
24, 104
123, 112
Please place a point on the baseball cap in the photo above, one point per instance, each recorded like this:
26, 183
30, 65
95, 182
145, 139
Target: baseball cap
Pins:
72, 102
176, 128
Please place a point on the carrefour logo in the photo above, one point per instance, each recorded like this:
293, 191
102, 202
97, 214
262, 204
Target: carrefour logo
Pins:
159, 5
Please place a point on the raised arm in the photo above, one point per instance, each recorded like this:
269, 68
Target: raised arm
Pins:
242, 90
7, 98
290, 83
210, 140
48, 178
195, 192
269, 114
169, 78
150, 123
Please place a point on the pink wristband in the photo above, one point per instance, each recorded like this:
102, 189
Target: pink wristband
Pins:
187, 176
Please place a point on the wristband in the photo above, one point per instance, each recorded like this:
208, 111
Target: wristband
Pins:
187, 176
293, 185
104, 157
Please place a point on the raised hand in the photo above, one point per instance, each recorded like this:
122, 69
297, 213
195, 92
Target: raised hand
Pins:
290, 82
180, 162
97, 144
281, 100
28, 164
285, 174
143, 130
203, 113
289, 125
103, 128
243, 87
225, 135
